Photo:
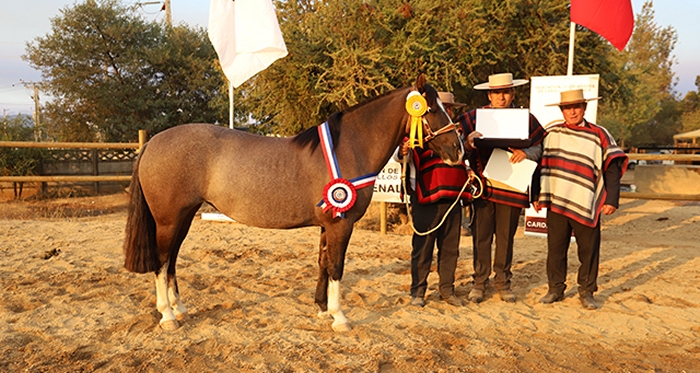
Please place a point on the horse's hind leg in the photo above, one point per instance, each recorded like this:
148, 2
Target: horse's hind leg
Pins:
168, 295
176, 305
331, 262
168, 321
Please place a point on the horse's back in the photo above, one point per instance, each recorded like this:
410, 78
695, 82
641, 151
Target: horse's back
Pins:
258, 180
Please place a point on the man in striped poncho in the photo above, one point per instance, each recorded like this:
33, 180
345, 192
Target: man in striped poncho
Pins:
581, 171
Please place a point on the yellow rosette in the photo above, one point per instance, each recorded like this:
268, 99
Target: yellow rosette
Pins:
416, 106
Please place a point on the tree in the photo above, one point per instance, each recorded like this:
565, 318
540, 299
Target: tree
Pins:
691, 109
19, 161
111, 73
646, 87
343, 52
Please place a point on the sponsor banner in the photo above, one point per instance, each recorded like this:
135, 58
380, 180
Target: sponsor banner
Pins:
536, 223
387, 187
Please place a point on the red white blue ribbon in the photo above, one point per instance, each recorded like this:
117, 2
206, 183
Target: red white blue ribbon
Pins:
339, 194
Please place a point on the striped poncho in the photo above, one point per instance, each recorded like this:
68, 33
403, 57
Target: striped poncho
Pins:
574, 161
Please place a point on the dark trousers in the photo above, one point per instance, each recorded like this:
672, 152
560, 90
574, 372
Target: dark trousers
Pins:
426, 217
559, 229
502, 221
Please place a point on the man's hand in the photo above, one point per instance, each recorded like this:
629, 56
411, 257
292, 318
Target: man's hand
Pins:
609, 209
518, 155
471, 137
404, 149
536, 206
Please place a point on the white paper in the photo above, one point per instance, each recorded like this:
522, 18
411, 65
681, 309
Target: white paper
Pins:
516, 175
503, 123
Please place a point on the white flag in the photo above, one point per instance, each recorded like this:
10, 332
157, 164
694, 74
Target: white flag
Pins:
246, 36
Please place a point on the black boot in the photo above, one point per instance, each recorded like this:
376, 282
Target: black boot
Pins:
587, 300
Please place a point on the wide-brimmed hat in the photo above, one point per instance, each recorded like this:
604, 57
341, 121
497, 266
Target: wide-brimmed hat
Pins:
448, 98
500, 81
572, 97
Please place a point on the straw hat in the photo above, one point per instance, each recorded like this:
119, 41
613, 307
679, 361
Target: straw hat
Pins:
448, 98
500, 81
572, 97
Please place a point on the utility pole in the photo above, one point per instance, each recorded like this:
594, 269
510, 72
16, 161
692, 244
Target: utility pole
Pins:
37, 123
168, 14
35, 97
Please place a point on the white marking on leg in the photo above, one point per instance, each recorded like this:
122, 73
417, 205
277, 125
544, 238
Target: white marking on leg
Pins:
168, 320
340, 323
174, 296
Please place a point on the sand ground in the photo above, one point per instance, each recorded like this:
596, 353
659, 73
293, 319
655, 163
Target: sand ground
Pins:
67, 304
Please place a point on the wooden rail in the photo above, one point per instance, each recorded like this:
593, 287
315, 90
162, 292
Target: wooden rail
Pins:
664, 196
64, 179
663, 157
71, 145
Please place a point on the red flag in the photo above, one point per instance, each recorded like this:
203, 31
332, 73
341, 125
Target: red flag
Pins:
611, 19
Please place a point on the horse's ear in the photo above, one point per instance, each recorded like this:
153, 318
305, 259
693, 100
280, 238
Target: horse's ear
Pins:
420, 83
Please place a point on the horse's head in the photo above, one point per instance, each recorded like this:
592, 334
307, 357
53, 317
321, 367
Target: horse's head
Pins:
440, 134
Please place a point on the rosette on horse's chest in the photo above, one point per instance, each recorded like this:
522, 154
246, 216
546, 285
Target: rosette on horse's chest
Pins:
339, 194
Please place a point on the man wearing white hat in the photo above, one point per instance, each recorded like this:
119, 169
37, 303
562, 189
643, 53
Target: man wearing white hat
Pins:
498, 210
581, 170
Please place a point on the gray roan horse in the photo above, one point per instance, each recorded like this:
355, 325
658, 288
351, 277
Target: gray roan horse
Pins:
268, 182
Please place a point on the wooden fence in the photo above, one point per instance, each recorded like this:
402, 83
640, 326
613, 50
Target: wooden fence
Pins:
71, 145
142, 139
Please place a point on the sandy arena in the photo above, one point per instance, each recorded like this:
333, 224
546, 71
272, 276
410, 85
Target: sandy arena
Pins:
67, 304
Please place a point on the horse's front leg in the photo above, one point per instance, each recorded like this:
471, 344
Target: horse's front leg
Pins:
321, 296
334, 243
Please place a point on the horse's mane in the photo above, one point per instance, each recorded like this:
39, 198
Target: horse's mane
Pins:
309, 137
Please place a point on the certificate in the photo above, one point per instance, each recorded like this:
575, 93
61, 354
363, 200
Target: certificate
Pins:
503, 123
514, 176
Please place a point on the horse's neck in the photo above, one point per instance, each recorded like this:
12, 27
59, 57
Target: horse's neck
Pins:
370, 135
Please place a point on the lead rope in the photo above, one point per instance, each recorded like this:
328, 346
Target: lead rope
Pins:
444, 217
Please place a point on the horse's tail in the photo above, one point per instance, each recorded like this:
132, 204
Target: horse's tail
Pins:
140, 248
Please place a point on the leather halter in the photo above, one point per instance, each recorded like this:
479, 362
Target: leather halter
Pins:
429, 133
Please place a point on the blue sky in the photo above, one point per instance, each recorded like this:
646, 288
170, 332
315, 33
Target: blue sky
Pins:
23, 21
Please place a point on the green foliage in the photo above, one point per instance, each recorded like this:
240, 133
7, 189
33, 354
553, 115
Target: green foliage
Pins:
691, 109
19, 161
342, 52
112, 73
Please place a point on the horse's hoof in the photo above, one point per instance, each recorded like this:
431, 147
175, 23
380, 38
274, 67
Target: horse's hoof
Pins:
169, 325
182, 316
340, 328
324, 315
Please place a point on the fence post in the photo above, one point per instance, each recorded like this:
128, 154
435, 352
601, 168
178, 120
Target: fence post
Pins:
142, 140
95, 170
382, 217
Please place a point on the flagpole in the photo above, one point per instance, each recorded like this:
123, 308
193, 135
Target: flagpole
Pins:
572, 37
230, 105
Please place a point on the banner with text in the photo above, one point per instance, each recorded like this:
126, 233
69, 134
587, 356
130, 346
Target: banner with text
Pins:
387, 187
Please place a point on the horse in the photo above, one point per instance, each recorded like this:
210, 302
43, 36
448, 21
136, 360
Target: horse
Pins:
274, 182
